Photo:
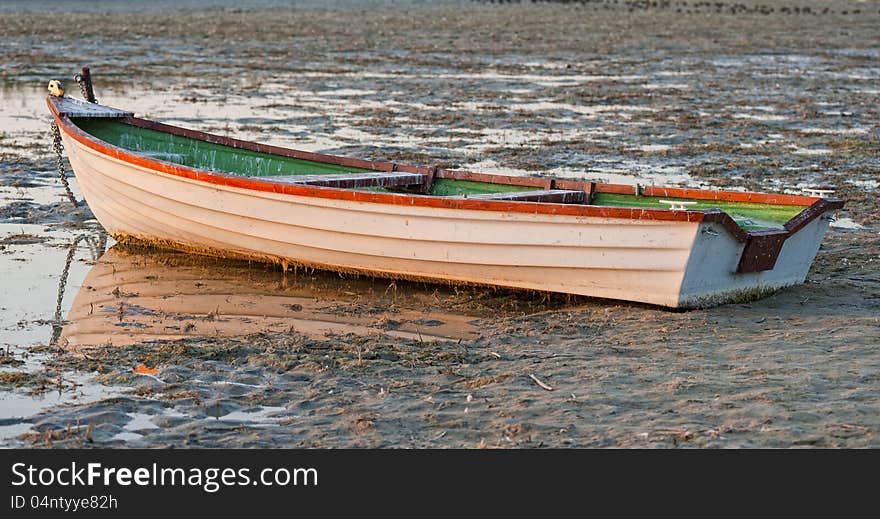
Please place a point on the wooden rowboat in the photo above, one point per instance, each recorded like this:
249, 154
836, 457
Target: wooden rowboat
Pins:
182, 189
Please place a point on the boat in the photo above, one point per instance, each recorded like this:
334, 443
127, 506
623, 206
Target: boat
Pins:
152, 183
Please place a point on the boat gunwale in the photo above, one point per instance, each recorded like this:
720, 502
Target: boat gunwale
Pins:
813, 206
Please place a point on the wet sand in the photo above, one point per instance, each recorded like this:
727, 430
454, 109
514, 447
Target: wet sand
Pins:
246, 356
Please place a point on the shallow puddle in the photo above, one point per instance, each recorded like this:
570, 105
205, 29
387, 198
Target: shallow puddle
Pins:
41, 267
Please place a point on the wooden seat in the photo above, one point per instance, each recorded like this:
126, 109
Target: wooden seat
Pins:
552, 196
403, 180
353, 180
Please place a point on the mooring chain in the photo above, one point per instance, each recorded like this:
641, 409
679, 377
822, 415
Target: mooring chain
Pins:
82, 86
58, 147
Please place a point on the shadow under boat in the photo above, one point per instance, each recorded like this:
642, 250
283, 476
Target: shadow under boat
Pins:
131, 297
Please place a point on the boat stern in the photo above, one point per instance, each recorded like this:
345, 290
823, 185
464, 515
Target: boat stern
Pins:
729, 267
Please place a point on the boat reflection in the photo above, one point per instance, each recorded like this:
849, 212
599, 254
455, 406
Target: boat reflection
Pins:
130, 297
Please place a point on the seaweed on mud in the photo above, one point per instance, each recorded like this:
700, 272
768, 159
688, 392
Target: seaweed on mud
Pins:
17, 378
23, 239
36, 382
75, 436
856, 147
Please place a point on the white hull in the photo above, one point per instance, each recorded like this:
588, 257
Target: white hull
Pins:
669, 263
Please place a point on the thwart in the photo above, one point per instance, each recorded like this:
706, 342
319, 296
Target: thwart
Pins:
182, 189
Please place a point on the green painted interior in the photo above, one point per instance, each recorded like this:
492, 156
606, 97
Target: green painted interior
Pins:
226, 159
450, 187
203, 155
747, 215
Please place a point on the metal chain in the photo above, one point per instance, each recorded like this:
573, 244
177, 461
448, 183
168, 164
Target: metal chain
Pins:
58, 147
82, 87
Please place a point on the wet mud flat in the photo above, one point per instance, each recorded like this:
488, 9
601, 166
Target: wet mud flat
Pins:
152, 349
